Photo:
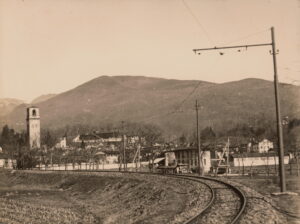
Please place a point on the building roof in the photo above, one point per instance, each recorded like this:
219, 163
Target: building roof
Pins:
184, 149
87, 137
98, 136
106, 135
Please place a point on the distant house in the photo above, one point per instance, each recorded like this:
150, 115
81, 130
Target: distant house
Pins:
263, 146
87, 138
108, 137
108, 156
7, 162
111, 157
62, 143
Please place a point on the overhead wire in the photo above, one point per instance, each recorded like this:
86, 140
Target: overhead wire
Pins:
197, 21
195, 88
198, 84
178, 108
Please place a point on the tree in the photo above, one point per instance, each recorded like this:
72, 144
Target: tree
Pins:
293, 123
207, 135
182, 140
82, 145
48, 139
7, 136
26, 159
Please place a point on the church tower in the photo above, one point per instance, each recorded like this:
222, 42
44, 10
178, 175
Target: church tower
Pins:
33, 127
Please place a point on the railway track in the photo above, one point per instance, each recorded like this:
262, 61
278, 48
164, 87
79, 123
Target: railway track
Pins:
226, 205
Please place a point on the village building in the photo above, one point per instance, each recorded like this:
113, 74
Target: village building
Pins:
111, 157
263, 146
189, 157
62, 143
107, 157
7, 162
106, 137
106, 140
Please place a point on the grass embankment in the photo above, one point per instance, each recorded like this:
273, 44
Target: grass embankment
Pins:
289, 205
27, 197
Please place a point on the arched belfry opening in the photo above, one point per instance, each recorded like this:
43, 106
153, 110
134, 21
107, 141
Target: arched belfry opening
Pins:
33, 112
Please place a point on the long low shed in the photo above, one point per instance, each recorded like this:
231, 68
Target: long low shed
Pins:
258, 159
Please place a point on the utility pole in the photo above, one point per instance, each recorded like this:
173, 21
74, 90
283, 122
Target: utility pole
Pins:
277, 102
227, 157
198, 141
278, 116
123, 145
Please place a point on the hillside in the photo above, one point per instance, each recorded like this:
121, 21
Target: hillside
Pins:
42, 98
7, 105
155, 100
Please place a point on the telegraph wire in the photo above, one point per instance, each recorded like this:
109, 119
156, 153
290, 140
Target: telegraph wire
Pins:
178, 108
197, 21
195, 88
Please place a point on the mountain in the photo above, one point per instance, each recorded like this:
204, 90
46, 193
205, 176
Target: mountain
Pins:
42, 98
8, 104
168, 103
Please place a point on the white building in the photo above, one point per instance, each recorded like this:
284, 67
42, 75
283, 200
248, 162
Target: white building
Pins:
109, 137
62, 144
264, 146
6, 162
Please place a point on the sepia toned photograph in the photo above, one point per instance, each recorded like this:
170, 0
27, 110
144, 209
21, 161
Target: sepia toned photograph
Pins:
149, 111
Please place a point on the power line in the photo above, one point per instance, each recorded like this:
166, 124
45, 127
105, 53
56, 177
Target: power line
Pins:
196, 87
197, 21
277, 101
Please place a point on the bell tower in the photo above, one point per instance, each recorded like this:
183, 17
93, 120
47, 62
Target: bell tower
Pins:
33, 127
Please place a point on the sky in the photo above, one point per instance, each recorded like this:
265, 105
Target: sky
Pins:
51, 46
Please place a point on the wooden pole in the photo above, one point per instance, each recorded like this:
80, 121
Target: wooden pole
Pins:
198, 141
278, 116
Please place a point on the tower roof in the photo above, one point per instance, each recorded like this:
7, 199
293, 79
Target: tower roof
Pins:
32, 106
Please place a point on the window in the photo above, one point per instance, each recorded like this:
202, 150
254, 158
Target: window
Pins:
33, 113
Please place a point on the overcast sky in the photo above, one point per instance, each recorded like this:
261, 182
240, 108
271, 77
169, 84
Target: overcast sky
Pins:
51, 46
